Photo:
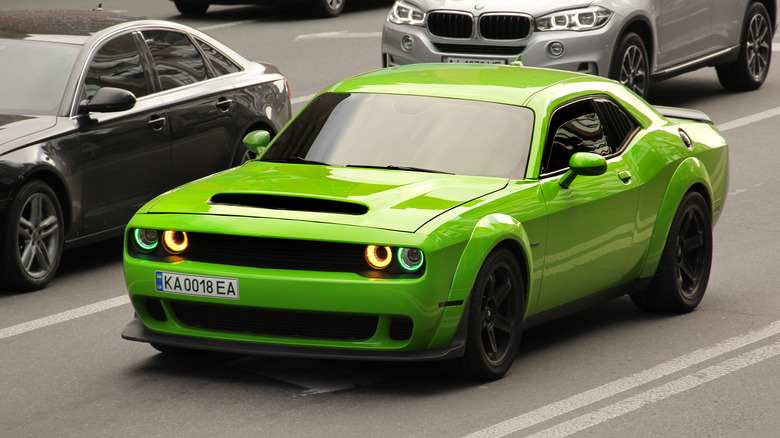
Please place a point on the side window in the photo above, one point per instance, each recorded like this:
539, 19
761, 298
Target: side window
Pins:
574, 128
221, 64
177, 61
617, 123
117, 64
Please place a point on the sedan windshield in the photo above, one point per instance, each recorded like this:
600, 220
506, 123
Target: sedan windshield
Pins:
33, 76
409, 133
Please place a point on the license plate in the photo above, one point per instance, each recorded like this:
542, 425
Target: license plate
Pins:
199, 285
462, 60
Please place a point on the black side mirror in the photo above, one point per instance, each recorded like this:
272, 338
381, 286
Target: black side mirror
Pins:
108, 100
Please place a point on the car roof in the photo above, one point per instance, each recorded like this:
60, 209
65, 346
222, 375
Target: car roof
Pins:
70, 26
508, 84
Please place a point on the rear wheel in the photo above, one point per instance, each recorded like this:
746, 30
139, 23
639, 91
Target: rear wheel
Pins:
327, 8
190, 8
682, 275
32, 238
494, 319
750, 69
630, 64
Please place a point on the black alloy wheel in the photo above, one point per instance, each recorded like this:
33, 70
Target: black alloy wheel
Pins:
494, 319
750, 69
630, 64
32, 238
684, 270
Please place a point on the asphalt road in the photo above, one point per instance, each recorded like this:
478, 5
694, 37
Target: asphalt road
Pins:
613, 371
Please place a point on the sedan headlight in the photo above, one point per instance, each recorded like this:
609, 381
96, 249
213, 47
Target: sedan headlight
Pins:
590, 18
404, 13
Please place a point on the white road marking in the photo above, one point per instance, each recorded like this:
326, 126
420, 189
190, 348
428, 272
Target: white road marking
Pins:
302, 99
342, 34
613, 388
747, 120
224, 25
64, 316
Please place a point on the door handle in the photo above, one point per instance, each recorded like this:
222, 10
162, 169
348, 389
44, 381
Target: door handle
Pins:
224, 104
624, 176
157, 122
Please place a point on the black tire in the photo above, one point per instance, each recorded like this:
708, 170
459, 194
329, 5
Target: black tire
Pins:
495, 318
684, 270
32, 238
750, 69
630, 64
190, 8
327, 8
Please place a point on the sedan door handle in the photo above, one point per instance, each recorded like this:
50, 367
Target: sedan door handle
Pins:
157, 122
224, 104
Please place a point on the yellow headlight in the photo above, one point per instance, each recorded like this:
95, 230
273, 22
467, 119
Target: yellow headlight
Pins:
379, 257
175, 241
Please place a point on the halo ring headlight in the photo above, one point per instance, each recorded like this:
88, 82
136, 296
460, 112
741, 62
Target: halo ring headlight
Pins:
379, 257
145, 239
175, 241
410, 259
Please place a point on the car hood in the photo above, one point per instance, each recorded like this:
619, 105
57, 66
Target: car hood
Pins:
376, 198
13, 127
535, 8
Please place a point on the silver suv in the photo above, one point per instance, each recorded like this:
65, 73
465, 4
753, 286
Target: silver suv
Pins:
630, 41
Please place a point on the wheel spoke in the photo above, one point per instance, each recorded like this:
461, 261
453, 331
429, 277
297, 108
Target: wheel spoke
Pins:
492, 346
691, 244
502, 291
503, 324
49, 226
685, 269
25, 229
27, 255
42, 256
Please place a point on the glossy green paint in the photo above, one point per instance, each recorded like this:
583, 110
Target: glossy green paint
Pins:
600, 230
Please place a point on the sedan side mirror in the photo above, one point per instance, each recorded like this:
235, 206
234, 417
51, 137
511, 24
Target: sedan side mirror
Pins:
257, 142
108, 100
583, 163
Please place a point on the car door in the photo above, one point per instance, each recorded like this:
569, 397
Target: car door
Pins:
684, 30
199, 107
125, 154
591, 224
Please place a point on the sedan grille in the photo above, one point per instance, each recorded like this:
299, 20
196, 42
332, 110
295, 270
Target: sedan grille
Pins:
269, 322
451, 25
504, 27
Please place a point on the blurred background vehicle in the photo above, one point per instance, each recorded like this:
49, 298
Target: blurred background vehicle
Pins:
633, 42
100, 112
319, 8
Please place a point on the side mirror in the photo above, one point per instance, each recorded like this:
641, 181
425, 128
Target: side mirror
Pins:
583, 163
108, 100
257, 142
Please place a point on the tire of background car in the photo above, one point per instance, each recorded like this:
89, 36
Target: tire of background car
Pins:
32, 238
684, 270
189, 8
327, 8
630, 64
750, 69
495, 317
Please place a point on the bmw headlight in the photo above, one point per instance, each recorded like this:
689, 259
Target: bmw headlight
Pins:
404, 13
590, 18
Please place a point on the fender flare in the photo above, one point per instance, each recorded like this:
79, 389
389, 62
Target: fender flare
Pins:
689, 175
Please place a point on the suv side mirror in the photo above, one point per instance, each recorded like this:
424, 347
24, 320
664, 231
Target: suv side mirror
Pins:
108, 100
257, 142
583, 163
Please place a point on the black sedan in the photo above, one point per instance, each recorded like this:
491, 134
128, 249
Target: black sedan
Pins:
99, 113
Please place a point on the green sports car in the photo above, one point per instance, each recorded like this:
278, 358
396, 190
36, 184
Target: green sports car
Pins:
433, 212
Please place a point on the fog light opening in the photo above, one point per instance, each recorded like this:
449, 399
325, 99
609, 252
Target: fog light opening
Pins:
555, 49
407, 43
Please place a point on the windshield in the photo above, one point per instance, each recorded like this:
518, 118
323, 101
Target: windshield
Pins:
410, 132
33, 76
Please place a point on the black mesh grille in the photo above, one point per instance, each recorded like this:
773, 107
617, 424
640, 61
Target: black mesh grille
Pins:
155, 309
276, 322
449, 25
480, 50
504, 27
400, 329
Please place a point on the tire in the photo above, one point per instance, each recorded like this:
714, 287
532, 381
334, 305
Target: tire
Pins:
32, 238
495, 318
190, 8
684, 270
327, 8
630, 64
750, 69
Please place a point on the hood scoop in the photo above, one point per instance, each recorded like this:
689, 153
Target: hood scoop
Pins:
290, 203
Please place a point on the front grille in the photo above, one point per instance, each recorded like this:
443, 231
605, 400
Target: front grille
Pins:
269, 322
480, 50
450, 25
272, 253
504, 27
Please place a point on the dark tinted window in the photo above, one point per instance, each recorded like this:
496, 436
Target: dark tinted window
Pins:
617, 123
575, 128
221, 64
178, 62
117, 64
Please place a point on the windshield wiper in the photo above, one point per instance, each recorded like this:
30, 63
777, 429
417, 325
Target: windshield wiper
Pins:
297, 160
394, 167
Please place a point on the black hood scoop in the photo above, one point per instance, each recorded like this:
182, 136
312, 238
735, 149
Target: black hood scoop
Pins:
291, 203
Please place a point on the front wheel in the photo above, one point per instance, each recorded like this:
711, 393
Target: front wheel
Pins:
750, 69
32, 238
684, 270
327, 8
630, 64
495, 317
